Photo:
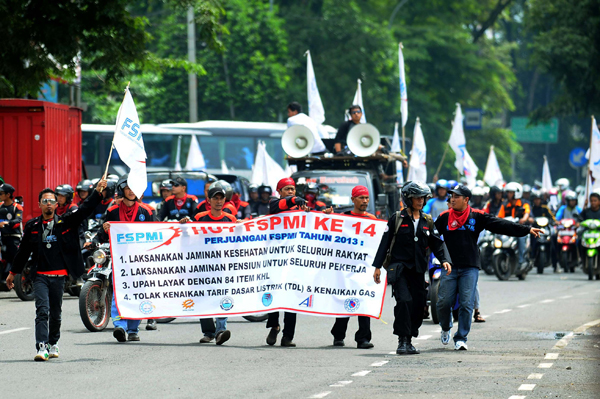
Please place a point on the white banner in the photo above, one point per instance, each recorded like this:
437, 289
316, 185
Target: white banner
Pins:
492, 169
418, 156
294, 261
594, 157
396, 148
315, 106
403, 93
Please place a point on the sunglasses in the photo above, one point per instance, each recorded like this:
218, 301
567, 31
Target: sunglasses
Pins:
176, 184
356, 112
46, 201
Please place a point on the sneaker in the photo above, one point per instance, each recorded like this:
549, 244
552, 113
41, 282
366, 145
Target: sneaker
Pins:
206, 339
120, 334
133, 337
445, 337
42, 353
223, 336
272, 337
285, 341
338, 342
460, 346
53, 351
151, 325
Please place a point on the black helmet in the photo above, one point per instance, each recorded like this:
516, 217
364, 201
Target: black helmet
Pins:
265, 189
414, 189
312, 188
211, 178
166, 185
85, 185
253, 188
494, 190
225, 186
66, 190
111, 187
121, 184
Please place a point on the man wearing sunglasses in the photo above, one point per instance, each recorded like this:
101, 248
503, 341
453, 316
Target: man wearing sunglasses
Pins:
342, 133
53, 243
180, 204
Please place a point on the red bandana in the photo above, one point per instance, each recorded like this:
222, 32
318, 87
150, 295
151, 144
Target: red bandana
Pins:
458, 219
288, 181
179, 202
127, 213
235, 200
61, 210
360, 190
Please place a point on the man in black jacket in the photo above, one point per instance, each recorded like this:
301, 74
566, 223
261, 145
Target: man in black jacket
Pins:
460, 226
53, 243
408, 235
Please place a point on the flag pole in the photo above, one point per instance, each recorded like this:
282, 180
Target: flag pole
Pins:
112, 144
403, 128
587, 175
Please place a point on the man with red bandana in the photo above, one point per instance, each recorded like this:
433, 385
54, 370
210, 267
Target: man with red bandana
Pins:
180, 204
360, 199
64, 193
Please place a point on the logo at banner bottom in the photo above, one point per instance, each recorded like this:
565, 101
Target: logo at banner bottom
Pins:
147, 307
308, 302
188, 305
267, 299
227, 303
352, 304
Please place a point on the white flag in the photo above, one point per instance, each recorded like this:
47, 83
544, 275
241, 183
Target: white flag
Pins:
129, 144
403, 93
492, 169
457, 139
470, 170
546, 178
224, 168
195, 158
396, 148
178, 155
358, 100
418, 156
266, 170
595, 155
315, 106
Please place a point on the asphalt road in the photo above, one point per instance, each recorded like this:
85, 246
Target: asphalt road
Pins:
541, 340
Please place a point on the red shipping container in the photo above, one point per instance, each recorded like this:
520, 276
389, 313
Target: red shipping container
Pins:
41, 147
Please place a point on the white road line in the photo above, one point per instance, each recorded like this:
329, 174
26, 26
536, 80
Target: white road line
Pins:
535, 376
584, 327
563, 342
545, 365
361, 373
524, 306
503, 311
424, 337
320, 395
547, 301
526, 387
392, 353
341, 383
551, 356
15, 330
379, 364
566, 297
518, 397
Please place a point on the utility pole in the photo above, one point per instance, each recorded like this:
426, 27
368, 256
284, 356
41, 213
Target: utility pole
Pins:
192, 78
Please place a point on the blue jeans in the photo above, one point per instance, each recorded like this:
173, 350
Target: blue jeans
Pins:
522, 246
129, 325
208, 327
464, 281
476, 304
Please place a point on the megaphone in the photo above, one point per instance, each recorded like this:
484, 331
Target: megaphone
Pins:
363, 139
297, 141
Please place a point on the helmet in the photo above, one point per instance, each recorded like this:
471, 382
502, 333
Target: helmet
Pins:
452, 184
514, 187
165, 185
570, 196
432, 187
535, 194
442, 183
85, 185
225, 186
480, 183
65, 190
265, 189
211, 179
526, 188
253, 188
112, 177
494, 190
121, 184
477, 191
414, 189
563, 183
312, 188
111, 187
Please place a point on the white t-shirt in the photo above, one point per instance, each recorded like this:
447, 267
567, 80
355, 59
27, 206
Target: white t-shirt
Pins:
415, 224
305, 120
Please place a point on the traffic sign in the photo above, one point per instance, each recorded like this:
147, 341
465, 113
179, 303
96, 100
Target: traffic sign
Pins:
473, 117
542, 133
577, 158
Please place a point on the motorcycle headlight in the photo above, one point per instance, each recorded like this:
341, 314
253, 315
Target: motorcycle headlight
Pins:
542, 221
568, 223
99, 257
593, 225
497, 243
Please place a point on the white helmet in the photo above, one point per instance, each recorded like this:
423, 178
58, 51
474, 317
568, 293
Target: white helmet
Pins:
477, 191
563, 183
514, 187
480, 183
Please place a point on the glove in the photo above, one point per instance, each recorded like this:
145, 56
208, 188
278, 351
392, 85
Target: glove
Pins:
299, 201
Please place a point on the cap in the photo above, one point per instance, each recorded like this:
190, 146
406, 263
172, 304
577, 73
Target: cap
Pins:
179, 180
461, 190
216, 190
7, 188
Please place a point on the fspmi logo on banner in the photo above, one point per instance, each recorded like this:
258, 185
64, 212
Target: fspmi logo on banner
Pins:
139, 238
308, 302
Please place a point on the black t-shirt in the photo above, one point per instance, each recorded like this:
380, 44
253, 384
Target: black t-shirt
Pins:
342, 133
51, 259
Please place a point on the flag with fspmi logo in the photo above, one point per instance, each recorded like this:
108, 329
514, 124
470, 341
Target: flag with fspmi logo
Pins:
129, 144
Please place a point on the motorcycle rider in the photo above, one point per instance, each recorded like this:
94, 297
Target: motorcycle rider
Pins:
262, 207
165, 192
526, 193
11, 217
65, 193
515, 207
435, 206
243, 208
539, 209
254, 197
311, 193
495, 203
84, 189
570, 210
180, 204
128, 210
204, 205
593, 212
477, 200
563, 185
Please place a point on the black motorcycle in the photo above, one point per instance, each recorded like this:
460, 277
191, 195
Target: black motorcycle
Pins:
542, 256
95, 300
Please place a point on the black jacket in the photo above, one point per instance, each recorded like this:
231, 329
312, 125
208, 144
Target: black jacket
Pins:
408, 251
66, 229
277, 205
462, 242
169, 210
144, 214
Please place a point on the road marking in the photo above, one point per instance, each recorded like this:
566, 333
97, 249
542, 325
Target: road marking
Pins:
563, 342
551, 356
15, 330
535, 376
545, 365
379, 364
518, 397
503, 311
584, 327
320, 395
547, 301
526, 387
566, 297
392, 353
341, 383
524, 306
361, 373
424, 337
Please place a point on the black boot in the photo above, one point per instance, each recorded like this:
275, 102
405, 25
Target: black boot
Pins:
410, 349
401, 346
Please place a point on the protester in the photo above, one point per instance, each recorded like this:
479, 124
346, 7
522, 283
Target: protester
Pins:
297, 117
262, 207
539, 209
11, 217
180, 204
60, 256
437, 205
405, 242
340, 145
64, 194
516, 207
204, 205
495, 204
84, 189
570, 209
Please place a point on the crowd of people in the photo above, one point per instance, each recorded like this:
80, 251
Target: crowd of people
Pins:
445, 218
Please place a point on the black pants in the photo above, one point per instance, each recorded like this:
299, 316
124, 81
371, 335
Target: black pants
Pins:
48, 293
362, 335
10, 246
289, 323
411, 296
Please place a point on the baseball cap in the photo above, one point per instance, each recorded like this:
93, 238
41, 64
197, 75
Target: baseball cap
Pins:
7, 188
216, 190
461, 190
179, 180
